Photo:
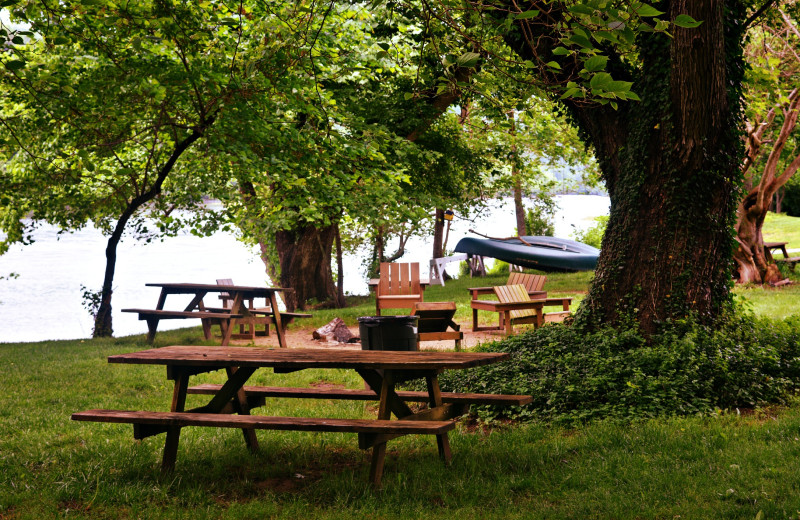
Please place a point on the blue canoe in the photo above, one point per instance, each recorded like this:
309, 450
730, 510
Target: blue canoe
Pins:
544, 253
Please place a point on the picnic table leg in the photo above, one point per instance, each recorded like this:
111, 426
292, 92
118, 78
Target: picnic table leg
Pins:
240, 407
279, 330
152, 325
174, 432
227, 326
384, 413
442, 440
474, 319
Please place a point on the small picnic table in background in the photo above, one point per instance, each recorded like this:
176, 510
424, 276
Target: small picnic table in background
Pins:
226, 317
769, 247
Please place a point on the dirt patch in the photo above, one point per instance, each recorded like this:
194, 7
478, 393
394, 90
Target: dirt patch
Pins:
297, 337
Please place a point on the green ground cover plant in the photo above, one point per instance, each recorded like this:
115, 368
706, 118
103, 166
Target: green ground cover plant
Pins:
686, 369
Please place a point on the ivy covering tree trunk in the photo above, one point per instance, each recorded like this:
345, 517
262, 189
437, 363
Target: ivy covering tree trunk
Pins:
671, 162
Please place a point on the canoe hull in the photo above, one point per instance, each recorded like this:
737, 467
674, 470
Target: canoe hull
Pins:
546, 253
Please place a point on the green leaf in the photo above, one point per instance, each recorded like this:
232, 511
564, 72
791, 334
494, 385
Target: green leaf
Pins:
553, 65
595, 63
15, 64
619, 86
580, 9
468, 59
581, 40
571, 92
561, 51
647, 10
527, 14
600, 80
686, 21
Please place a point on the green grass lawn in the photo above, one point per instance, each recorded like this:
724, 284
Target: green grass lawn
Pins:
731, 465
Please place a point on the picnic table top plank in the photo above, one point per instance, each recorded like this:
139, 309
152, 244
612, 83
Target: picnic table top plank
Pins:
307, 358
192, 288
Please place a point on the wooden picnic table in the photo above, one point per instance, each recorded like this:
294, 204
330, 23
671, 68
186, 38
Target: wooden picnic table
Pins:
769, 247
227, 318
381, 370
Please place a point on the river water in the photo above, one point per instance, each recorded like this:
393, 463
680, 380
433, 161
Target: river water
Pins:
43, 300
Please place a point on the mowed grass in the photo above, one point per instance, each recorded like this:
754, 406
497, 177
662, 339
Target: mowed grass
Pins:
736, 464
727, 466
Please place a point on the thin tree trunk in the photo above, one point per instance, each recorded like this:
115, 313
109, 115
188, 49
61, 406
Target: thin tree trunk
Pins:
519, 209
438, 233
340, 301
103, 323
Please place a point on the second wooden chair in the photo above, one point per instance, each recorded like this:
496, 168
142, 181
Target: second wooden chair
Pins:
399, 286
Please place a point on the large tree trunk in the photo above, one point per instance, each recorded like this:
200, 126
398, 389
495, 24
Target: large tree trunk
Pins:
305, 256
671, 166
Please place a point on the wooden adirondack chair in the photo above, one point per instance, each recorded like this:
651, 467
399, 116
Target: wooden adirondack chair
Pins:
399, 287
533, 283
434, 320
518, 307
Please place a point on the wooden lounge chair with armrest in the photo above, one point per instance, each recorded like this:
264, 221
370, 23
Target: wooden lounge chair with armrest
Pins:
514, 305
434, 320
399, 286
534, 284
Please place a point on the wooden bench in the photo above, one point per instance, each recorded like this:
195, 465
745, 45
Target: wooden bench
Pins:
365, 395
209, 317
149, 423
791, 261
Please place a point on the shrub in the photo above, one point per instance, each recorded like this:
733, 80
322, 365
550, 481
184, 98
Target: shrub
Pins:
594, 235
684, 370
791, 197
539, 221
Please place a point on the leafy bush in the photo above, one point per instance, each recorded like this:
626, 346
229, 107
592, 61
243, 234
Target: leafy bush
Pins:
791, 198
686, 369
594, 235
539, 220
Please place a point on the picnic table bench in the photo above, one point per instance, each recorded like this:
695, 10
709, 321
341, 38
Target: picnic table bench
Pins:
381, 370
226, 318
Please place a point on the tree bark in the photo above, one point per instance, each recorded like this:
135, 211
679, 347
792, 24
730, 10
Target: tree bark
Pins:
519, 209
304, 256
438, 233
